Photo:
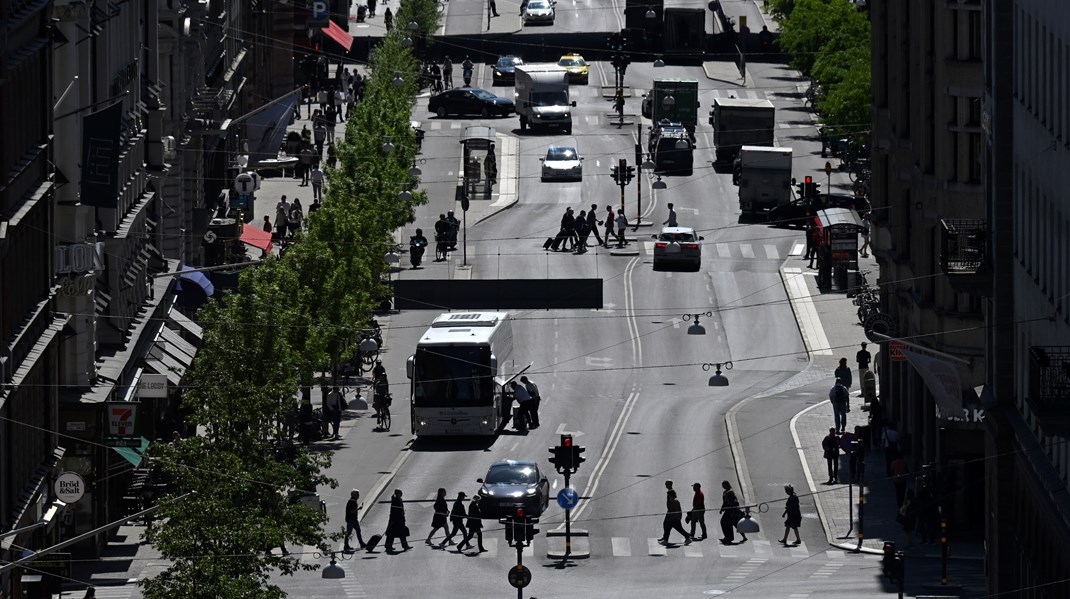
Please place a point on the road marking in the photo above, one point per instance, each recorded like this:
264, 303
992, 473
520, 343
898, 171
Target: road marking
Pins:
762, 548
813, 333
723, 251
826, 571
797, 249
595, 362
622, 547
800, 551
648, 247
592, 120
655, 548
771, 252
383, 481
436, 125
746, 250
692, 550
455, 125
491, 546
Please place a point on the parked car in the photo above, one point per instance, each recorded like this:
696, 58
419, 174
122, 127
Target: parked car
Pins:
513, 484
800, 212
470, 100
677, 246
540, 11
562, 162
505, 69
578, 70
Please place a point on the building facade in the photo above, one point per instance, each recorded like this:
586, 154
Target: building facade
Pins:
1027, 397
927, 191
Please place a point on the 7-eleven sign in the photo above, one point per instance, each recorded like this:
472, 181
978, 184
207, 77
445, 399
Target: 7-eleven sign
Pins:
122, 418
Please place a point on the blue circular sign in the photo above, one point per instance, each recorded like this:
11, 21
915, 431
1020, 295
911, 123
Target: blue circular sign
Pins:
567, 498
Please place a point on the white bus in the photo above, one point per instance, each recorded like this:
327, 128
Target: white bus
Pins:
457, 374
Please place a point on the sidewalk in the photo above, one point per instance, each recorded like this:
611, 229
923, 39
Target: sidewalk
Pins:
831, 331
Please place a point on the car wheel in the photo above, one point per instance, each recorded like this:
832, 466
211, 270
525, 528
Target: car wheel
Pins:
441, 112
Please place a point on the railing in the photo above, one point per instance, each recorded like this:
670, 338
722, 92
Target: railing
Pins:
963, 244
1049, 378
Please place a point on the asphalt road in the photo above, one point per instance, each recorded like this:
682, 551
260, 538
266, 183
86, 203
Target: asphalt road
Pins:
469, 17
626, 380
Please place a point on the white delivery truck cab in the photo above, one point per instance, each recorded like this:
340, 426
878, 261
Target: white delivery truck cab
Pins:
764, 179
542, 99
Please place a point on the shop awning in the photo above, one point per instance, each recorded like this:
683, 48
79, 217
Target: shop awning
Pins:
171, 356
258, 238
338, 34
133, 454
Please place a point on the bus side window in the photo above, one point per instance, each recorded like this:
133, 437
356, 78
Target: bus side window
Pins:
409, 364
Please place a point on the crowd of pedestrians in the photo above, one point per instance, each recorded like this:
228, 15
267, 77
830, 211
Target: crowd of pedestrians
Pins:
575, 230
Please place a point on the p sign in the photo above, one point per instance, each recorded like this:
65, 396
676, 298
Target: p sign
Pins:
320, 12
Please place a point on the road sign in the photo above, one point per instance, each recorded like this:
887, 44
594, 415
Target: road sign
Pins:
244, 183
849, 443
567, 498
69, 487
320, 13
713, 5
828, 168
519, 576
882, 324
895, 351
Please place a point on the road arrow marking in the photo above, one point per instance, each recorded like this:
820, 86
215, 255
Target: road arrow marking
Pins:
593, 362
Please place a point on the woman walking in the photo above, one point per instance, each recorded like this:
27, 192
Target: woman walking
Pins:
674, 513
395, 525
457, 515
475, 527
441, 517
792, 516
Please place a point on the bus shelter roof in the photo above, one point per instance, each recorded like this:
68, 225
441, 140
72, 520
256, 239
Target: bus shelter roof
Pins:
478, 138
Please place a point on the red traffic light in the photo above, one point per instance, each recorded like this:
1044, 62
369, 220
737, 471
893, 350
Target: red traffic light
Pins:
566, 440
808, 179
519, 512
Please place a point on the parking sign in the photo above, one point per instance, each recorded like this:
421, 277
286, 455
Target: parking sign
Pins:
320, 13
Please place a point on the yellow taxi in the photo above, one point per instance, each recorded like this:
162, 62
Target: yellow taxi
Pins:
576, 67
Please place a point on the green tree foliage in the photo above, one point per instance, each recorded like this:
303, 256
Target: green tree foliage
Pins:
813, 23
846, 107
780, 9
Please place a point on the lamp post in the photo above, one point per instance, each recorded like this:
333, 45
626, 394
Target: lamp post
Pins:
718, 379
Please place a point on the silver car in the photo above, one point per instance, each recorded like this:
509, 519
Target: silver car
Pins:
562, 162
677, 246
540, 11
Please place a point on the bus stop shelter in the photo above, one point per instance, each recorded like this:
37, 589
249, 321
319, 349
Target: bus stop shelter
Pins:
480, 162
837, 254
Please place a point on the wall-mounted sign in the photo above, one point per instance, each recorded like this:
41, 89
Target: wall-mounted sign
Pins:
122, 419
69, 487
152, 385
75, 258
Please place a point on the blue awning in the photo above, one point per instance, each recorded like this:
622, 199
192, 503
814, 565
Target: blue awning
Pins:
199, 278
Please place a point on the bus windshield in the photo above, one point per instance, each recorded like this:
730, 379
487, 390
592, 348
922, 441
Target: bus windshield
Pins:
452, 375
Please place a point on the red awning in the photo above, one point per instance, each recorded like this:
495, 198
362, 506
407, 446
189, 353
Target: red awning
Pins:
339, 35
256, 237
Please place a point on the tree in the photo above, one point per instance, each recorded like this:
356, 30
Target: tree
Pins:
812, 23
846, 107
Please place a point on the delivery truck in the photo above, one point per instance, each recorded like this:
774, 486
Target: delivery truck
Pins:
739, 122
542, 99
764, 178
682, 104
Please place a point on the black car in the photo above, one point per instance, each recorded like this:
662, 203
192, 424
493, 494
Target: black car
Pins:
798, 213
505, 69
469, 100
513, 484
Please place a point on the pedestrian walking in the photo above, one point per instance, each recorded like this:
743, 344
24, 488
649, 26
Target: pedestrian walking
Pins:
523, 400
864, 231
610, 221
282, 216
582, 232
475, 526
568, 227
730, 514
493, 8
332, 410
353, 520
490, 166
440, 519
395, 524
671, 221
296, 216
371, 7
697, 515
900, 474
843, 372
457, 516
317, 182
830, 447
304, 161
792, 515
267, 224
593, 223
536, 399
319, 134
890, 446
332, 156
447, 73
908, 517
811, 245
622, 224
388, 19
673, 515
840, 399
863, 359
314, 207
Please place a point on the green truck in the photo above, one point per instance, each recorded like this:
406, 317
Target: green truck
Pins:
675, 100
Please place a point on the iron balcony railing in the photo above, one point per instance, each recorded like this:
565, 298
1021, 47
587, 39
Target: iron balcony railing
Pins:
1049, 378
963, 245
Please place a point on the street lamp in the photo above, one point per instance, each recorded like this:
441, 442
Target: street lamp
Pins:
718, 379
668, 101
658, 62
659, 184
696, 328
415, 171
681, 144
333, 570
413, 25
369, 351
648, 165
650, 14
406, 42
747, 525
388, 147
405, 196
397, 80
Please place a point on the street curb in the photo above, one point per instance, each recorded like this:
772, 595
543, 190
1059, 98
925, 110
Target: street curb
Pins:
373, 496
818, 502
511, 199
795, 313
736, 81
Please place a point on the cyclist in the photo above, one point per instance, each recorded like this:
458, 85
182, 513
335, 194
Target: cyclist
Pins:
381, 398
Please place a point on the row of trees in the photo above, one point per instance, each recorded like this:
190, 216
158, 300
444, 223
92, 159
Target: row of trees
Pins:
829, 41
240, 478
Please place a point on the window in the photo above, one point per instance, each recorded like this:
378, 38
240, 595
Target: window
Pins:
976, 37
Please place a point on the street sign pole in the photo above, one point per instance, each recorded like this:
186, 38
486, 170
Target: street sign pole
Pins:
568, 521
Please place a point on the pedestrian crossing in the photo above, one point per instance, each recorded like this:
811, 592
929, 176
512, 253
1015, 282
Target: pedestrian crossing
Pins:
728, 251
115, 592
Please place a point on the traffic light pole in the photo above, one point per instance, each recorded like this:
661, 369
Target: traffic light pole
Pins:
638, 176
520, 563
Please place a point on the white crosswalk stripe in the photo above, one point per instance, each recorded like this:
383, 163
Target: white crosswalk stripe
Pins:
693, 550
115, 592
351, 584
771, 252
455, 125
436, 125
744, 570
655, 548
622, 547
746, 250
723, 251
797, 249
826, 570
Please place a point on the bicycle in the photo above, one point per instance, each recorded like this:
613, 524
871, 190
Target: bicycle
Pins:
382, 414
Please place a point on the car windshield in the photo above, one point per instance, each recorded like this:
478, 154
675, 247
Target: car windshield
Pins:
678, 237
538, 4
511, 474
508, 61
483, 94
549, 98
572, 62
561, 154
454, 375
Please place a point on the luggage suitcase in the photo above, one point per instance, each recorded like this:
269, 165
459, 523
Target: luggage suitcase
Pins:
373, 542
561, 237
549, 242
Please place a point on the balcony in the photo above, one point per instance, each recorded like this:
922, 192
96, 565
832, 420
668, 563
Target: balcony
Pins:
1049, 388
963, 255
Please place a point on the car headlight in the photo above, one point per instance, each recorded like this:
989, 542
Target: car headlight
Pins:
538, 116
497, 73
568, 115
532, 492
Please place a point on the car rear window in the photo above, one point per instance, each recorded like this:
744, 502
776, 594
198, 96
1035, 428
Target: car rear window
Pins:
678, 237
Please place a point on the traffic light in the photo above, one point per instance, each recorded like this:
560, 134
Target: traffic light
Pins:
529, 529
808, 187
629, 174
577, 451
898, 569
616, 177
616, 41
622, 170
815, 189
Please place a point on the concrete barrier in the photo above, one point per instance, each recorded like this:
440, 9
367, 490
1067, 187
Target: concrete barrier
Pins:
497, 294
